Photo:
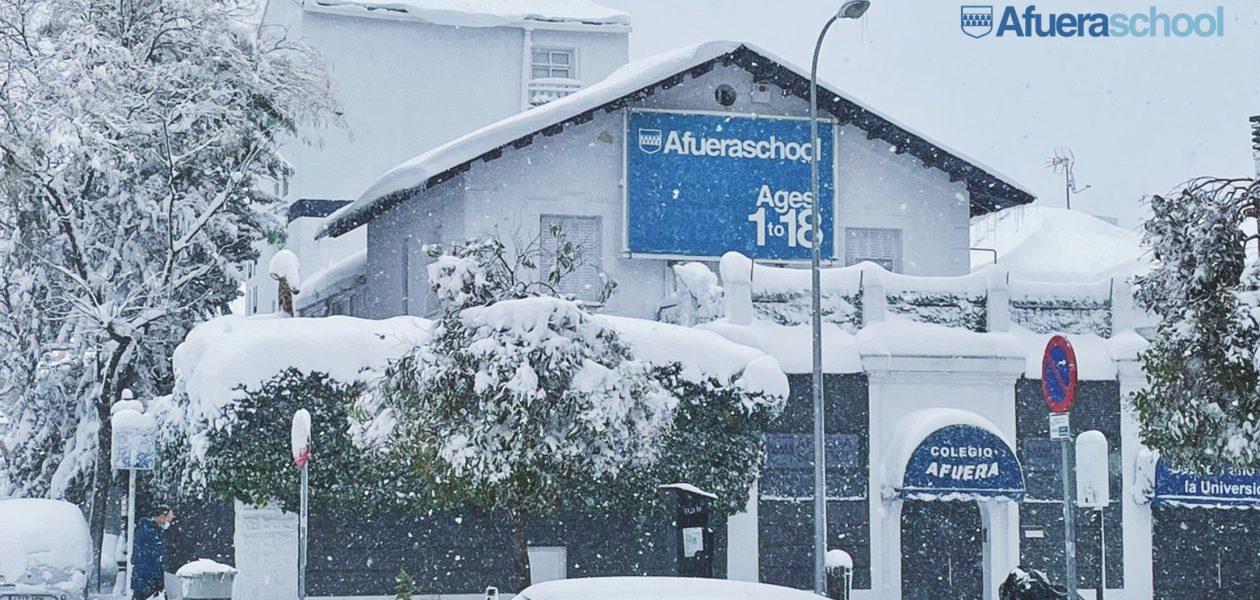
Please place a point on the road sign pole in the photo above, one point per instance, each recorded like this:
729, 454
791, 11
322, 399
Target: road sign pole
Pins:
1058, 387
131, 529
1102, 553
1069, 524
302, 521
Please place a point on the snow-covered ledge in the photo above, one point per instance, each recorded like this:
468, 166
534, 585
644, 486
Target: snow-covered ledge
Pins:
985, 299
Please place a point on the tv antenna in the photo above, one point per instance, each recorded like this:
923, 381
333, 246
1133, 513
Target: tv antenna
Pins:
1062, 162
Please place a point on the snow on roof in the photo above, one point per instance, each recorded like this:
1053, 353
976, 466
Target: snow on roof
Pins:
912, 429
226, 353
46, 543
845, 352
791, 346
413, 174
1057, 245
1096, 356
659, 588
701, 354
483, 13
332, 279
687, 487
901, 336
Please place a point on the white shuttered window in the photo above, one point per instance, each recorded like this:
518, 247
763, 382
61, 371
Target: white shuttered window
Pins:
584, 283
880, 246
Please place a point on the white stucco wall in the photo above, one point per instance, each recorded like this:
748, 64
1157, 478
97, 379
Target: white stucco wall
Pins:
579, 172
406, 86
903, 385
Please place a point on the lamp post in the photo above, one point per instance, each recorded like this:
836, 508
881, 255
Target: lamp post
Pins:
851, 9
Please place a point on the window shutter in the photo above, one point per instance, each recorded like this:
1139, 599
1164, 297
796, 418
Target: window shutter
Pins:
583, 283
880, 246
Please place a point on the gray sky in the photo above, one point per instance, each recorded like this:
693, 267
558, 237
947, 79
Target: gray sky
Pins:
1141, 114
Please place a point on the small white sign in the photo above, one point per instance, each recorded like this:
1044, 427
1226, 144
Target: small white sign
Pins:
693, 541
1060, 429
1034, 534
1093, 487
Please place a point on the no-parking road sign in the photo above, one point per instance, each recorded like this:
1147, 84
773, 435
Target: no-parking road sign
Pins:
1058, 375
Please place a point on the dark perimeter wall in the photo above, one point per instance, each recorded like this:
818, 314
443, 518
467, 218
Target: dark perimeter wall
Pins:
786, 506
1097, 407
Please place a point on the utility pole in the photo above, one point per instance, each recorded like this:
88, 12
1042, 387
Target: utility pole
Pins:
1062, 162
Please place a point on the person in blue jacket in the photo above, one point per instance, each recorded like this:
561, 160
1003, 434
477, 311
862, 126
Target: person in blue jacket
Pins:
148, 563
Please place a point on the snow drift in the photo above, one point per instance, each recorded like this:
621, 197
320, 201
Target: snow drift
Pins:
1056, 245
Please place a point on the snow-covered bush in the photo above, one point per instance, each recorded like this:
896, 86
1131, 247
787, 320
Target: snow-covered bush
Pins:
528, 405
716, 442
521, 392
698, 299
951, 309
483, 271
225, 430
247, 457
795, 307
1202, 405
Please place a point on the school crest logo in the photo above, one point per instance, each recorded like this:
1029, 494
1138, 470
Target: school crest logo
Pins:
977, 21
650, 140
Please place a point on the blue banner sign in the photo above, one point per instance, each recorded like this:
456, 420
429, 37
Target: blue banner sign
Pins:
703, 185
1228, 487
964, 460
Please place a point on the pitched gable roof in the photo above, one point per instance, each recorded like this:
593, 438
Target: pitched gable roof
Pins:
989, 189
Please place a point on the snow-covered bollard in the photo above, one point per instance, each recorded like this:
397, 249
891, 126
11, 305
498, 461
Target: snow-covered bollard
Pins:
286, 270
204, 579
839, 574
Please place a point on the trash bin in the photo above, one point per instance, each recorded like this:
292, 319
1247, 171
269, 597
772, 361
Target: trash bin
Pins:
204, 579
839, 575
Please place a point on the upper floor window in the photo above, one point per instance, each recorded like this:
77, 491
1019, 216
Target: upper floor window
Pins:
585, 282
553, 62
880, 246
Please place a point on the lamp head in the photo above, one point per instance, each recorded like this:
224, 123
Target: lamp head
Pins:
853, 9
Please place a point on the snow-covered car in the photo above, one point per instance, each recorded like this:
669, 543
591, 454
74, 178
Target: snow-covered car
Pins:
659, 588
46, 551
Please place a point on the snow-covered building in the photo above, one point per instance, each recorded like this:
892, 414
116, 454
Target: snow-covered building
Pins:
411, 74
942, 476
904, 200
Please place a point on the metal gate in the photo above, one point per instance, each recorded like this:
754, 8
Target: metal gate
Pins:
942, 551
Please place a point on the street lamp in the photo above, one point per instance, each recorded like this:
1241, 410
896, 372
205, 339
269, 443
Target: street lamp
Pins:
851, 9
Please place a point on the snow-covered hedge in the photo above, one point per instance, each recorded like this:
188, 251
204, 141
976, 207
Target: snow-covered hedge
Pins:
529, 390
241, 378
238, 381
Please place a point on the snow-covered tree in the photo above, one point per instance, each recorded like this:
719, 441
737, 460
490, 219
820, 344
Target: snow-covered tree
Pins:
516, 405
1202, 404
528, 405
131, 137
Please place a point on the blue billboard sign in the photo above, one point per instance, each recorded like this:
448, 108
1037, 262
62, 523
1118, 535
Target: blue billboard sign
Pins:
965, 460
1227, 487
703, 185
